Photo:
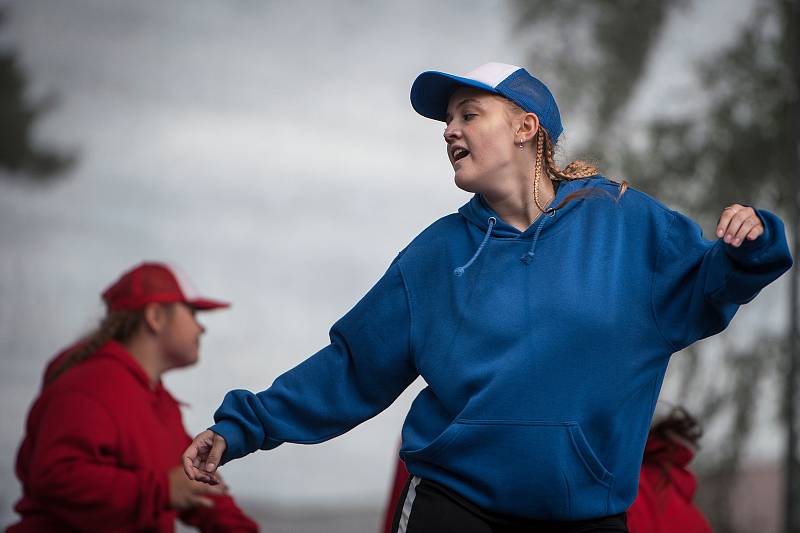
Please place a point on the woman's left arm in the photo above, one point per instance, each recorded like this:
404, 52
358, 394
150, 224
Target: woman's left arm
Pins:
698, 285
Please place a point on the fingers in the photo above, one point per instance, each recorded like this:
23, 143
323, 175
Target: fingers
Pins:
188, 467
206, 477
724, 219
191, 461
214, 456
220, 489
747, 225
201, 501
755, 233
220, 483
738, 222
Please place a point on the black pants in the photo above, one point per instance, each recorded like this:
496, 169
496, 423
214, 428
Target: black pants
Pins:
427, 507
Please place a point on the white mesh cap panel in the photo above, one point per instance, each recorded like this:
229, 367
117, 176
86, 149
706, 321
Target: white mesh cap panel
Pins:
492, 74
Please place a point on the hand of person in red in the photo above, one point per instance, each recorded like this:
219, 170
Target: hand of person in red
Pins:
185, 494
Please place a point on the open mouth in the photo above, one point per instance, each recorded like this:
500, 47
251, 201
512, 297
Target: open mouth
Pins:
460, 153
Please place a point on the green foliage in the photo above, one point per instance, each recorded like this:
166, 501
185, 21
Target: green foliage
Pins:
593, 54
21, 157
741, 146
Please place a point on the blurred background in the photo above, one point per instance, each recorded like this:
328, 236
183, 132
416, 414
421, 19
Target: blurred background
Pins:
270, 150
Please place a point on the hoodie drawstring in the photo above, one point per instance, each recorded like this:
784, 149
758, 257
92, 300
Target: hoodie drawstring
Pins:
460, 270
528, 257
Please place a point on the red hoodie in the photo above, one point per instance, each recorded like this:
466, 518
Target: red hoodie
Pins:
99, 444
666, 491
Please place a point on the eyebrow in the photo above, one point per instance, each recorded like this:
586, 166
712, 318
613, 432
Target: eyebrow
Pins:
461, 103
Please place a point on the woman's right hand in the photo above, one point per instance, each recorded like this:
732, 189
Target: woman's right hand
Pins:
185, 494
202, 457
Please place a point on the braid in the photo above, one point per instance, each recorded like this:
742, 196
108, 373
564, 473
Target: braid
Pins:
545, 158
117, 325
537, 173
578, 169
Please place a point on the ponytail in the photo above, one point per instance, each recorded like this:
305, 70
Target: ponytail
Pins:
117, 325
578, 169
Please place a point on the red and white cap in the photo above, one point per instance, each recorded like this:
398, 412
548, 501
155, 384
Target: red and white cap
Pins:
155, 282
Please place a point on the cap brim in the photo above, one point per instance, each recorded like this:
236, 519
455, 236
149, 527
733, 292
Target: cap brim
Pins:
204, 304
431, 92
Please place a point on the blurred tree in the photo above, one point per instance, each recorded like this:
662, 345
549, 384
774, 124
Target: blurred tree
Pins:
21, 157
594, 52
740, 146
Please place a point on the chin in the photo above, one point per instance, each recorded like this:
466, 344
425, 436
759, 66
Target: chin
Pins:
186, 360
466, 183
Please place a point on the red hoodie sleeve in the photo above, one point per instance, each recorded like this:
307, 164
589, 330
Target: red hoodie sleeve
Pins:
75, 473
224, 517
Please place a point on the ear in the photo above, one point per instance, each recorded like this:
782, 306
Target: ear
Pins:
154, 317
527, 128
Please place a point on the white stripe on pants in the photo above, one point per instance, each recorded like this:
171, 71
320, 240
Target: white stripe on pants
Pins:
407, 504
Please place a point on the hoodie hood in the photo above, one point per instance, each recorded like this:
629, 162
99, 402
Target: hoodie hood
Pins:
478, 212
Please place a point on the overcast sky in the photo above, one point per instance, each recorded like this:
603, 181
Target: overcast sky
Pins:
270, 150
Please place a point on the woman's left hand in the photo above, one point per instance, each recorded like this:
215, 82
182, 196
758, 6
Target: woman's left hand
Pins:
738, 223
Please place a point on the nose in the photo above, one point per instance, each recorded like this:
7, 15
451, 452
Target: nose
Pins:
451, 133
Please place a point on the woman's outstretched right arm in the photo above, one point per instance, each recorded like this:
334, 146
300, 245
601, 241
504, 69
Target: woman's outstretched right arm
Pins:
366, 366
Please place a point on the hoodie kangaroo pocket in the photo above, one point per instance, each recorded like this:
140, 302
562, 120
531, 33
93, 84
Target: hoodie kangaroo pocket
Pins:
544, 470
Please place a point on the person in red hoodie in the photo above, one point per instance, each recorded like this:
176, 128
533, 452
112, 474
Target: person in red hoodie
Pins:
666, 486
103, 443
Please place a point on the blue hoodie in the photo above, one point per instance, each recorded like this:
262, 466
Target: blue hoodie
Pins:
543, 350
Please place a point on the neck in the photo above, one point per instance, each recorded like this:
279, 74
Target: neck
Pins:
147, 355
517, 206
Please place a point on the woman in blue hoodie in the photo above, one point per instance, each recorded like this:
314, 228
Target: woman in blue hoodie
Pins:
542, 316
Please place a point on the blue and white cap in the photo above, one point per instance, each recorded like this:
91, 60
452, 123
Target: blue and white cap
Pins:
431, 92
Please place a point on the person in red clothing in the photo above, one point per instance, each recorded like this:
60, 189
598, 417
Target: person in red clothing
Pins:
103, 409
666, 486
